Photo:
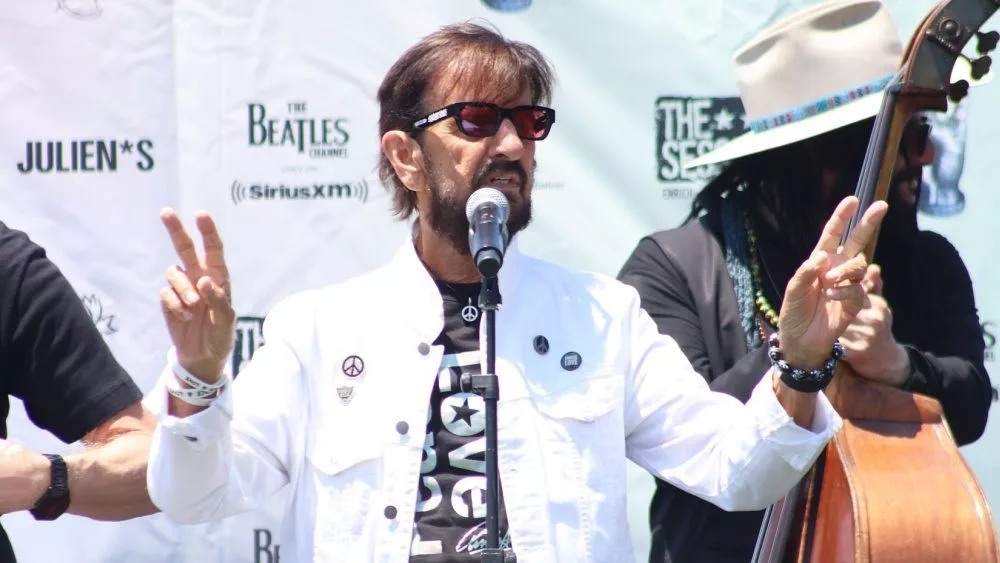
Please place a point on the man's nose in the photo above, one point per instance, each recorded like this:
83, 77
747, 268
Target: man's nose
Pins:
506, 143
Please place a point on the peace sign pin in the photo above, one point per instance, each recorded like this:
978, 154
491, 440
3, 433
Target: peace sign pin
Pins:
353, 366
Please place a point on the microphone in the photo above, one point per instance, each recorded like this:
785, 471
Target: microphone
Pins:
487, 212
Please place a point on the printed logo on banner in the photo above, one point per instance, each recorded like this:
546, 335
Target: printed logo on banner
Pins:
686, 128
940, 192
241, 192
547, 185
81, 156
81, 9
249, 337
508, 5
294, 129
990, 340
264, 551
104, 321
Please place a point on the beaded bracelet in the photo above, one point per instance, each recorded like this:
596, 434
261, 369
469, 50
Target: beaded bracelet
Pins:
801, 380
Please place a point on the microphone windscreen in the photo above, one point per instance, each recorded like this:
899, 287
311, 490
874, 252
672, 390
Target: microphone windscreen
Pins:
488, 195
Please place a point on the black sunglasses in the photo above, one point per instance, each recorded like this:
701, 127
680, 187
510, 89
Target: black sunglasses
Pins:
481, 119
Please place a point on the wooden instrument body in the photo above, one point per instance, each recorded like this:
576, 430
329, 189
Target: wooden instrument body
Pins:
891, 487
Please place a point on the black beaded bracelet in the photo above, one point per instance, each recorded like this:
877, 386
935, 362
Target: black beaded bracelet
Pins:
799, 379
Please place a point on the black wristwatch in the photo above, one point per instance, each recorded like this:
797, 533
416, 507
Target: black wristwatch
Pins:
55, 501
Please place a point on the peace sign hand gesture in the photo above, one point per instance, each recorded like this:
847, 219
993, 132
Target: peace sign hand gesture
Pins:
197, 305
826, 292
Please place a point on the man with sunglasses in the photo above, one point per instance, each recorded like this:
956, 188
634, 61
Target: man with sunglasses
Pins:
357, 401
716, 283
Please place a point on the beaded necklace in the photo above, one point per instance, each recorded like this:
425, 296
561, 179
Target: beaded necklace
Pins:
763, 307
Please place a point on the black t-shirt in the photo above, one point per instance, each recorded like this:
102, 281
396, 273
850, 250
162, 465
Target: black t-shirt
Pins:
450, 522
52, 357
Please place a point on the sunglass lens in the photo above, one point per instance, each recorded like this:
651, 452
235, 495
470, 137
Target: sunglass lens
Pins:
478, 121
531, 123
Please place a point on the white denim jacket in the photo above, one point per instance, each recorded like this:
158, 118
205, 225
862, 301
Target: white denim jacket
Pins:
564, 435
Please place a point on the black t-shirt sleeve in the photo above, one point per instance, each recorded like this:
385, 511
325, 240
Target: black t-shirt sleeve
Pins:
664, 294
950, 366
53, 357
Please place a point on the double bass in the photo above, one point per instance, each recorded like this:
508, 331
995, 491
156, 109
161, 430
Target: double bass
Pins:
892, 486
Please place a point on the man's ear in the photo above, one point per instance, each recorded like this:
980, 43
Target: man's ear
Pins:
406, 157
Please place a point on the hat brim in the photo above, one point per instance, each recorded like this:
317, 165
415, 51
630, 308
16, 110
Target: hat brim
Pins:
864, 108
752, 142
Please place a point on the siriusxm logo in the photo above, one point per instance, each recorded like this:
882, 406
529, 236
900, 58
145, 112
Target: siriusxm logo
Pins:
280, 191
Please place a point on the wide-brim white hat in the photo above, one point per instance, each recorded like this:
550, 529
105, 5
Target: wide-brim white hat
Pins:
817, 70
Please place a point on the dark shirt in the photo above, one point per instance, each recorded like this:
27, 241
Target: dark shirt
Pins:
934, 316
450, 522
52, 357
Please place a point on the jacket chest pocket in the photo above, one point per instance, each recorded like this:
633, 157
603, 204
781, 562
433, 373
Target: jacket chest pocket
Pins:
342, 467
580, 427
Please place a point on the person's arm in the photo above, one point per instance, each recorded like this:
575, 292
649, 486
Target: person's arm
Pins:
209, 463
107, 481
72, 386
223, 460
666, 297
664, 294
951, 368
744, 457
736, 456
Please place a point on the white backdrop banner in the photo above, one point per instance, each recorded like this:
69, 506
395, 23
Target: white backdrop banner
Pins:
264, 113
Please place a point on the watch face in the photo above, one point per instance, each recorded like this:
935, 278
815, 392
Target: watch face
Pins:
51, 506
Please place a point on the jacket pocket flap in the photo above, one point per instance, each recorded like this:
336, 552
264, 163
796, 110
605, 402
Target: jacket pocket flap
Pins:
333, 453
584, 399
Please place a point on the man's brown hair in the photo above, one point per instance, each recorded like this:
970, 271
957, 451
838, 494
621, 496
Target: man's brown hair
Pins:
470, 55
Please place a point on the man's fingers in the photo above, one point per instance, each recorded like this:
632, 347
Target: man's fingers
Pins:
181, 284
804, 277
866, 228
179, 236
835, 226
873, 279
852, 294
216, 296
171, 303
852, 271
214, 256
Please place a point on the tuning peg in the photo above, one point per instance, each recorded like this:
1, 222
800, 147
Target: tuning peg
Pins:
986, 42
958, 90
980, 67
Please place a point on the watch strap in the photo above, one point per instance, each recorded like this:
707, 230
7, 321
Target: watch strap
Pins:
55, 501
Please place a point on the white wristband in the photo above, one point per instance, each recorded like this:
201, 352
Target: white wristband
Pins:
196, 397
189, 378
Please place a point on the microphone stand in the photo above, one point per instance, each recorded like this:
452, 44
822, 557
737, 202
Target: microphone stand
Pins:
488, 387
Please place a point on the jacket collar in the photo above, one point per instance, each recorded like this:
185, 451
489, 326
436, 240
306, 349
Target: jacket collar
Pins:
419, 297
